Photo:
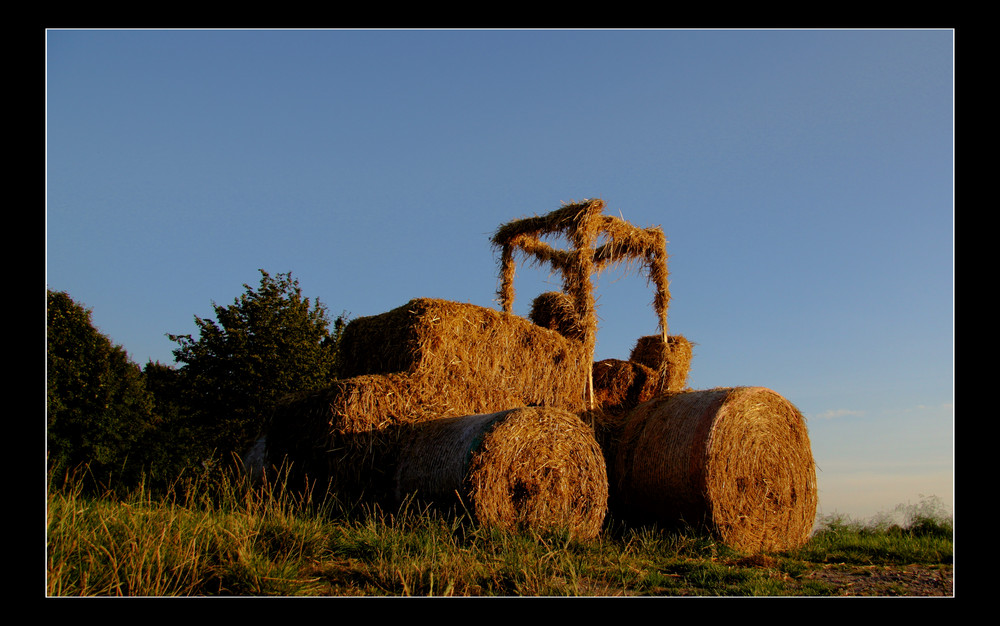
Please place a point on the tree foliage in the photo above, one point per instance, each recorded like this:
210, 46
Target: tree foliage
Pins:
176, 443
97, 404
270, 342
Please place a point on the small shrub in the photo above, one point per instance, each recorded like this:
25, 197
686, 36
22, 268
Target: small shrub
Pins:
929, 517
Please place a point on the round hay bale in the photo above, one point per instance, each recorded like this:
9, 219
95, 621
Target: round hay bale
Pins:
555, 310
672, 360
622, 385
532, 467
736, 461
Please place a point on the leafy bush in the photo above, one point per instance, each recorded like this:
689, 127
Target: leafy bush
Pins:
270, 342
97, 405
928, 517
909, 534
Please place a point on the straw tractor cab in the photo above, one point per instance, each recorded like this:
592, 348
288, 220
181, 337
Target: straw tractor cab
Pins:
509, 418
658, 363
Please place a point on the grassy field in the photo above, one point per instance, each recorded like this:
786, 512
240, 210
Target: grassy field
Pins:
224, 538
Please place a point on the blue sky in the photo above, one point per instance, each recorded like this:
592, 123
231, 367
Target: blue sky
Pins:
803, 179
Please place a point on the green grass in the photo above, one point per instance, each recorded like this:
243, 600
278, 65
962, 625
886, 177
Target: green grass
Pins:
924, 535
225, 537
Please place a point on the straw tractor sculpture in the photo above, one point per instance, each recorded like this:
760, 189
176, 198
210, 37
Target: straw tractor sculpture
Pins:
511, 420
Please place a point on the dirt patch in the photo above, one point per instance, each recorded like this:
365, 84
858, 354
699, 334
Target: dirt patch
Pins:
886, 580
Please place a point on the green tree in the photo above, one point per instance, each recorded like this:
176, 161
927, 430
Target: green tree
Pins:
174, 444
270, 342
98, 407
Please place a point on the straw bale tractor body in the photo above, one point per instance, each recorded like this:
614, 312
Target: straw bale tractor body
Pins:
423, 386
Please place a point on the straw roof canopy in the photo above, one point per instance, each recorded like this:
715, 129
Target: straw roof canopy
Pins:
736, 461
528, 468
596, 241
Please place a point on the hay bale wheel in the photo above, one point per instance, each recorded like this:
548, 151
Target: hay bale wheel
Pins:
736, 461
529, 468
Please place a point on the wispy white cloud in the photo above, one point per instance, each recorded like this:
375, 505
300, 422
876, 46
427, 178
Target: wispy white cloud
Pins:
946, 406
835, 413
945, 410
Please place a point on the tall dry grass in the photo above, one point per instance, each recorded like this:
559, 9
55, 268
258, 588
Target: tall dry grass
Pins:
213, 536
